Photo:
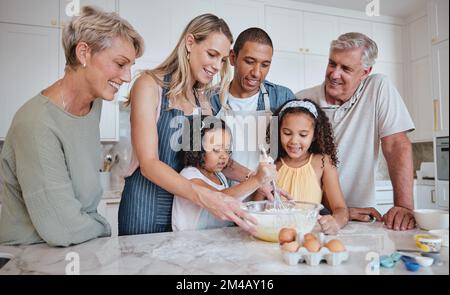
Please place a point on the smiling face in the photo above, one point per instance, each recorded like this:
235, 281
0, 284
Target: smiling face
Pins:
108, 69
217, 144
296, 134
207, 58
251, 67
344, 74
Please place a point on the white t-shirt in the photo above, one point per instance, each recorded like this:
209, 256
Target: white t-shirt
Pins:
376, 110
248, 104
188, 216
245, 148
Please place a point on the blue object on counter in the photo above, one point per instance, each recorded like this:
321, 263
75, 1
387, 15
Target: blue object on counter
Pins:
396, 257
410, 263
387, 261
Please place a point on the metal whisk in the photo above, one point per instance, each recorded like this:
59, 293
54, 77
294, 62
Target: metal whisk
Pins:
277, 202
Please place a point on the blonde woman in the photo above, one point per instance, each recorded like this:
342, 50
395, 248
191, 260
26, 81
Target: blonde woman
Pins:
178, 88
49, 161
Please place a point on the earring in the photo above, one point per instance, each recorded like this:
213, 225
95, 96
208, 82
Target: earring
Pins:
84, 65
188, 55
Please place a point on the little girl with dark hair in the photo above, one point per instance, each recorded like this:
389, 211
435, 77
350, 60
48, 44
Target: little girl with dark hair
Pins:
307, 160
204, 160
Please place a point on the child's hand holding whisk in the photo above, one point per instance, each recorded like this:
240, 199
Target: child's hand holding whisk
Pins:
266, 172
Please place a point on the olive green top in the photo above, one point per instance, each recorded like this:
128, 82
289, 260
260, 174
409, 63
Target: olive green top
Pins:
50, 168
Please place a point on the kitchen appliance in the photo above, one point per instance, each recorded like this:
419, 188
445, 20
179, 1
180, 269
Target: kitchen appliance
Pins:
441, 154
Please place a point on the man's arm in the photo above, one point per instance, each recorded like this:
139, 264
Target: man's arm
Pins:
397, 150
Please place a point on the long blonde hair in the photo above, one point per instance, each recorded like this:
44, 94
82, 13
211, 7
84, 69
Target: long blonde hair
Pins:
177, 64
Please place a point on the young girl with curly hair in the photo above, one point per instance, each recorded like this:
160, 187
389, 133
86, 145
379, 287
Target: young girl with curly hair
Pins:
205, 158
306, 160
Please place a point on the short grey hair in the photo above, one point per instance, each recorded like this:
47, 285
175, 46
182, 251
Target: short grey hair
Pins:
354, 41
97, 29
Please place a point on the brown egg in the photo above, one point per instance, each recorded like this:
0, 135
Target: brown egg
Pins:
335, 246
309, 236
287, 235
291, 246
312, 245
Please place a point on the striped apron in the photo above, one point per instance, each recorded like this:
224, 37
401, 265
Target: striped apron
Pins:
145, 207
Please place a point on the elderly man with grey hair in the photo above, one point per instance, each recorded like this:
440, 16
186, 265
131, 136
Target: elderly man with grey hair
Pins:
365, 109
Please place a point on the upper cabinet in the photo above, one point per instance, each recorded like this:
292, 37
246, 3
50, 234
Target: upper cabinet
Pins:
153, 22
440, 54
418, 36
389, 40
347, 25
38, 13
439, 21
31, 49
285, 27
318, 31
302, 44
240, 15
29, 59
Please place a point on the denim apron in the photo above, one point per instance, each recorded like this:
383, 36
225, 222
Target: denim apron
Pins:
246, 139
145, 207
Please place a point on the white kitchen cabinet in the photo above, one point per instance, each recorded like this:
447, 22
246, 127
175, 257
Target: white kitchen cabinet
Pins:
109, 208
286, 70
301, 42
439, 20
303, 39
285, 27
425, 197
38, 13
347, 25
418, 39
297, 71
389, 40
31, 49
394, 71
440, 55
240, 14
296, 31
318, 31
29, 59
181, 14
152, 20
421, 108
315, 69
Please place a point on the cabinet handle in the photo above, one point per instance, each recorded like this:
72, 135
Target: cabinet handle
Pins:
53, 22
436, 110
307, 50
433, 40
433, 196
301, 49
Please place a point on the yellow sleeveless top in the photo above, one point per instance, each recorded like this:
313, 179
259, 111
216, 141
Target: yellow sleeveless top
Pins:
300, 182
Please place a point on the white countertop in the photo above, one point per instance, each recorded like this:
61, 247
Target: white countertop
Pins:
220, 251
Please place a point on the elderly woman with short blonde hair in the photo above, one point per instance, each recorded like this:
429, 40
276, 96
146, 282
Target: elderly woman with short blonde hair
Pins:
49, 161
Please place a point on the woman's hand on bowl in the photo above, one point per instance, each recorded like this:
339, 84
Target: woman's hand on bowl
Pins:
225, 207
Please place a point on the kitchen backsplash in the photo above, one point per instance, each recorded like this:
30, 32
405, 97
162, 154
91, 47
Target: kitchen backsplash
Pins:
422, 152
